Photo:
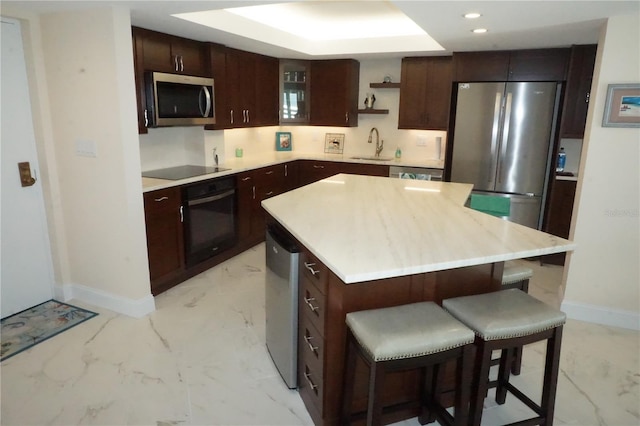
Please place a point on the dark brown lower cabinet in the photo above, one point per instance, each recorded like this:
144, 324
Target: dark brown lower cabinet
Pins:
165, 243
559, 215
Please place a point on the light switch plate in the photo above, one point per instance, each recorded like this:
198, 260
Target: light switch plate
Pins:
421, 140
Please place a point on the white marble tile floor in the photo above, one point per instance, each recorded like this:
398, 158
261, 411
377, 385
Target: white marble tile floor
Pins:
200, 359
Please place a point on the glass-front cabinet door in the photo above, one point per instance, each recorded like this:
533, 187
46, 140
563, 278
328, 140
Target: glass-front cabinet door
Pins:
294, 91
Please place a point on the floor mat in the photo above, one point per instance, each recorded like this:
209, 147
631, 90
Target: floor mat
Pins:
25, 329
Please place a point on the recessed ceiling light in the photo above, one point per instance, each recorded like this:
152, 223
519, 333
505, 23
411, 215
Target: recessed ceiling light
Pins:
479, 30
472, 15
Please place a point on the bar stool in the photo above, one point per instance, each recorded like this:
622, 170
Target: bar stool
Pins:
507, 320
515, 276
418, 335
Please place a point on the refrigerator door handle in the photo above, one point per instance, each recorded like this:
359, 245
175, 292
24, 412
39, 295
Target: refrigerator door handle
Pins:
505, 136
495, 130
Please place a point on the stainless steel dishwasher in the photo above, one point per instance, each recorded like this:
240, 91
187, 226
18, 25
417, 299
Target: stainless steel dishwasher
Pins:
281, 303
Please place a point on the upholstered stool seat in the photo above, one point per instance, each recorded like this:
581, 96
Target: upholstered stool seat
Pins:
417, 335
507, 320
515, 276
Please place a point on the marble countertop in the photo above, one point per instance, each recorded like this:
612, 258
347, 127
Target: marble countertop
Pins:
242, 164
365, 228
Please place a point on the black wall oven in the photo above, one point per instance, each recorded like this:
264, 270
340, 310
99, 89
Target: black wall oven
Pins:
209, 219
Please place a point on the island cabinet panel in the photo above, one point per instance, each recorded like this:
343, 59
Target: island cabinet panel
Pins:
325, 300
334, 93
165, 244
511, 65
578, 91
425, 93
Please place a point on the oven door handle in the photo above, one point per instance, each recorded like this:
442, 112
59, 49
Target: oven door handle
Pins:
212, 198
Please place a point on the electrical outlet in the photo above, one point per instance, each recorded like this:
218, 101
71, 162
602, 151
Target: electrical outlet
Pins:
421, 140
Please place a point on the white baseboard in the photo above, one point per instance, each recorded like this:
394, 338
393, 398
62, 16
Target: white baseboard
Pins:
601, 315
130, 307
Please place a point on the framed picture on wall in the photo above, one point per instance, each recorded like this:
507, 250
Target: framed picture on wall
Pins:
334, 143
623, 106
283, 141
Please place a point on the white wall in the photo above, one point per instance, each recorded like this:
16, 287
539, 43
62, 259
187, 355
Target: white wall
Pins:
602, 275
89, 78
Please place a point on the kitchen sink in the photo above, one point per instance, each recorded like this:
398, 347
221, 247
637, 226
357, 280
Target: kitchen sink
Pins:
372, 158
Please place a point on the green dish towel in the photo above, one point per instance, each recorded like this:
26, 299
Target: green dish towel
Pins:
491, 204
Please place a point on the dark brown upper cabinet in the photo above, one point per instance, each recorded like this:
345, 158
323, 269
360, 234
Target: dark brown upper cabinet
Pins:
512, 65
176, 55
578, 91
425, 93
246, 88
334, 92
295, 91
154, 51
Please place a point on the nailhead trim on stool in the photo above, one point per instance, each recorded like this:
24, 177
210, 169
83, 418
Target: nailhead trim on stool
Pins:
417, 335
507, 320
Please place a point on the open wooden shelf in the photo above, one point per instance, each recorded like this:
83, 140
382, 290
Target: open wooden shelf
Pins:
384, 85
373, 111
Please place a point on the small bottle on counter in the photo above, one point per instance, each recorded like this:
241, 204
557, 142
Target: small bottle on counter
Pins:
562, 160
398, 152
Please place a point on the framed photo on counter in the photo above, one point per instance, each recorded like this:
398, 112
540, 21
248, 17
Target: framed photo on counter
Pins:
623, 106
283, 141
334, 143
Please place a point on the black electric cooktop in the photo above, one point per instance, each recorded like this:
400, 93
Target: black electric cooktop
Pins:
182, 172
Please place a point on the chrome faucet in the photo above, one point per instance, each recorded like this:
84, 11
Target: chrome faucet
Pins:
379, 144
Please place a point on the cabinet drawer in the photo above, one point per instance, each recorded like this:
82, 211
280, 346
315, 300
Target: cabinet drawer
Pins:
315, 271
245, 179
311, 345
162, 201
312, 304
310, 385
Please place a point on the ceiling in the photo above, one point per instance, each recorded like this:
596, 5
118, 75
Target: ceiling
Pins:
510, 24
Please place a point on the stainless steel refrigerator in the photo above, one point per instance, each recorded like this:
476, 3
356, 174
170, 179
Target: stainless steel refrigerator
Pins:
502, 143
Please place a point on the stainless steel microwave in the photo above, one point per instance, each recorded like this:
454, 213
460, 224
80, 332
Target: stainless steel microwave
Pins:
178, 100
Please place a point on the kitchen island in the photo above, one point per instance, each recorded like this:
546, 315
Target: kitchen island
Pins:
370, 242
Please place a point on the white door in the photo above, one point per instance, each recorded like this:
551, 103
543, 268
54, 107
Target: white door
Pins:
26, 277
